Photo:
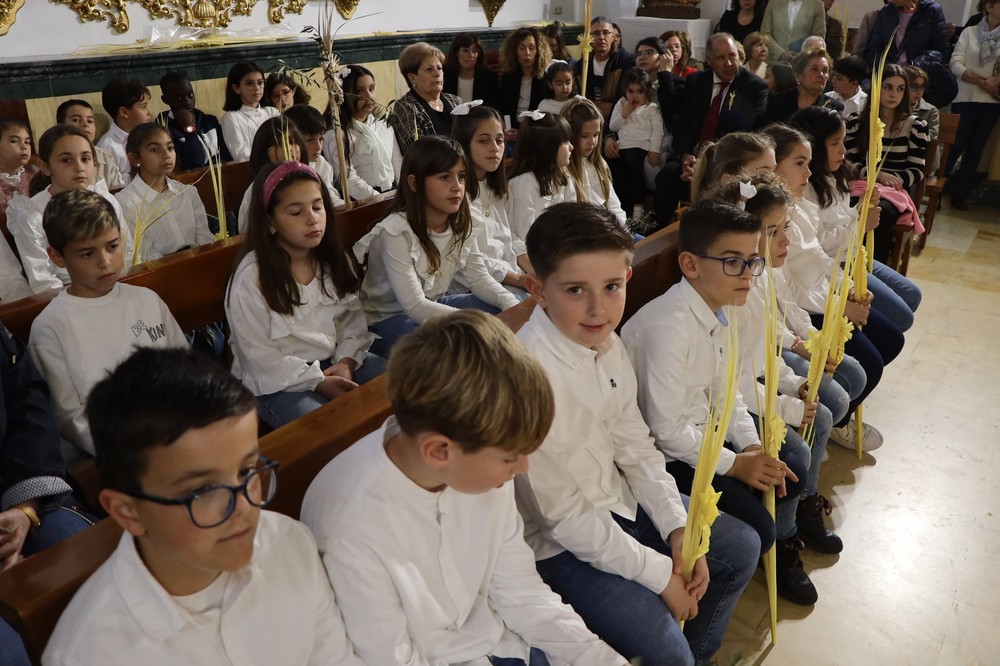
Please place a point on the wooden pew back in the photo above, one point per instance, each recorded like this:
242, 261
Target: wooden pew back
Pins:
236, 178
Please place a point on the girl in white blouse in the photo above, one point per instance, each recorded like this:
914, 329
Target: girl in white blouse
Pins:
244, 112
370, 146
479, 130
299, 336
590, 173
540, 178
414, 254
639, 124
163, 215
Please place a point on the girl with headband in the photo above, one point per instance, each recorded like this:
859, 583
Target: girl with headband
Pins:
299, 337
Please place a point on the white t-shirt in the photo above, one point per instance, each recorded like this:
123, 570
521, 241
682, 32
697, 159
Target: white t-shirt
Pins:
465, 89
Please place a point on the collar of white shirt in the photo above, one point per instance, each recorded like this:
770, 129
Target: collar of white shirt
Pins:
404, 485
151, 606
571, 353
710, 320
116, 134
147, 193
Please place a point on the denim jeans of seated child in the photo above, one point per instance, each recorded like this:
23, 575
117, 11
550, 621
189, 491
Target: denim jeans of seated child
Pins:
390, 330
835, 392
537, 658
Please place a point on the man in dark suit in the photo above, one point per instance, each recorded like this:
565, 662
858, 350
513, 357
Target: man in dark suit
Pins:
708, 104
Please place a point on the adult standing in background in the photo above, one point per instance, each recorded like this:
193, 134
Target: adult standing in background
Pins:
605, 68
922, 31
742, 18
465, 71
972, 61
788, 22
835, 34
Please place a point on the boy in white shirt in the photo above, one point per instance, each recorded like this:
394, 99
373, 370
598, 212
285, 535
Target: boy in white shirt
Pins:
602, 514
418, 528
127, 102
848, 73
95, 322
201, 575
677, 343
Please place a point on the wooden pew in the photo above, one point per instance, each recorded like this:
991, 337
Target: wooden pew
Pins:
33, 594
236, 178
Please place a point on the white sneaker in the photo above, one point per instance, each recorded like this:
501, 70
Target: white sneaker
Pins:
871, 438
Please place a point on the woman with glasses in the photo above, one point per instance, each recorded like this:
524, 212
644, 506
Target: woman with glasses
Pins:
678, 45
465, 71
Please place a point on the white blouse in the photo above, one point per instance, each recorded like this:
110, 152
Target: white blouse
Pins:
399, 281
808, 267
526, 203
274, 352
239, 128
491, 229
595, 192
375, 153
174, 219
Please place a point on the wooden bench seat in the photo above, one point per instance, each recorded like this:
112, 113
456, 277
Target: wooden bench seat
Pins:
33, 594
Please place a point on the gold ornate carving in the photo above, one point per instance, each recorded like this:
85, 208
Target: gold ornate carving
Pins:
492, 8
8, 12
346, 7
188, 13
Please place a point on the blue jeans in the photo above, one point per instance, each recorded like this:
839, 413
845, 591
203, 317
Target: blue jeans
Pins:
974, 126
278, 409
12, 652
835, 393
390, 330
895, 296
537, 658
634, 620
58, 524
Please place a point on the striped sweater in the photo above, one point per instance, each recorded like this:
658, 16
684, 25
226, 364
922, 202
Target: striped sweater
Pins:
903, 150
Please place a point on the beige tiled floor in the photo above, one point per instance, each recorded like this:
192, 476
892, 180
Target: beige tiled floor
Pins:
918, 582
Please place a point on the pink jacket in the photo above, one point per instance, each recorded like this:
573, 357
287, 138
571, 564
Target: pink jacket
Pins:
908, 215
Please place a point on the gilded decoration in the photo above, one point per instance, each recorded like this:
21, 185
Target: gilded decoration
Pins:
8, 12
346, 7
188, 13
492, 8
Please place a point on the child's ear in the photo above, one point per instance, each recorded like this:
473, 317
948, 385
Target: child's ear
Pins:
536, 288
122, 510
435, 450
55, 257
628, 275
689, 265
122, 113
411, 182
44, 168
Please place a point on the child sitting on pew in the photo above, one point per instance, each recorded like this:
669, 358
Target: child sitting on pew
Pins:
15, 151
127, 102
312, 128
162, 215
197, 135
67, 157
299, 336
80, 114
244, 112
678, 342
417, 523
277, 140
601, 513
201, 576
95, 322
412, 256
590, 173
369, 143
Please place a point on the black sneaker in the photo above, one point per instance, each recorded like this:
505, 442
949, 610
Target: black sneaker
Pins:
793, 583
812, 530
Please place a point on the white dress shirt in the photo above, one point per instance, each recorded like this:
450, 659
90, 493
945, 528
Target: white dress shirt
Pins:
526, 203
595, 192
678, 348
852, 105
24, 220
794, 6
113, 141
278, 610
836, 222
434, 578
597, 459
398, 279
13, 284
274, 352
239, 128
375, 154
642, 129
808, 267
174, 219
76, 341
795, 322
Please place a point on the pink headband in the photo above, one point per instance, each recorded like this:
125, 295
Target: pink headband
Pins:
283, 171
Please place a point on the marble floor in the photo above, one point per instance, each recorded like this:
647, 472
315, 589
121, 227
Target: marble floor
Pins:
918, 582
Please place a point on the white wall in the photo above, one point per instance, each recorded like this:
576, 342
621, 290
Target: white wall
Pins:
46, 29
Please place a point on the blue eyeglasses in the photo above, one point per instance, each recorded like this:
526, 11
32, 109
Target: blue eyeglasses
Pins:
734, 266
213, 505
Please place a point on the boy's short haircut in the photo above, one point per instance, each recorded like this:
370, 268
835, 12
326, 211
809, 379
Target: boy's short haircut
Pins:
118, 93
573, 228
309, 121
706, 221
77, 215
466, 376
151, 399
853, 68
173, 78
63, 109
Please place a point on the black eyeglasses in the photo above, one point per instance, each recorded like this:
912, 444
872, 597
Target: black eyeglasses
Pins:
734, 266
645, 52
210, 507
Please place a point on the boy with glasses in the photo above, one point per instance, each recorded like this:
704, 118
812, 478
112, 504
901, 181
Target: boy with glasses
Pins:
201, 575
920, 107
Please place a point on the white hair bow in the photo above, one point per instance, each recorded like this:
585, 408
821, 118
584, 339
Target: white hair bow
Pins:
344, 72
534, 115
747, 192
554, 61
464, 108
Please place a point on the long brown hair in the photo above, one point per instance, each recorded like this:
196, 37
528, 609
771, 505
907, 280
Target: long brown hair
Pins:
726, 157
46, 144
577, 112
464, 130
544, 137
274, 265
428, 156
901, 113
508, 52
